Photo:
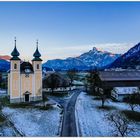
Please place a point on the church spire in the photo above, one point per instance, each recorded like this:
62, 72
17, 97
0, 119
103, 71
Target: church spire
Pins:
37, 54
15, 41
15, 53
37, 43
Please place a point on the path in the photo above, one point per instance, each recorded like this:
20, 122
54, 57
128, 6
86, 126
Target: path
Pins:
69, 124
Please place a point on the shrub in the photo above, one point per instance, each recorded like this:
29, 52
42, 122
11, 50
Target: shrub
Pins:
132, 115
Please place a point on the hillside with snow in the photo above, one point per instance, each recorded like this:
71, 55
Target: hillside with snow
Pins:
131, 59
92, 59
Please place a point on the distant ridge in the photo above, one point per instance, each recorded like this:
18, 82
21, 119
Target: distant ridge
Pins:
91, 59
129, 60
5, 57
4, 65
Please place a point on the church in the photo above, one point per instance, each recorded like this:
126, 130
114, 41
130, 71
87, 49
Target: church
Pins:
25, 78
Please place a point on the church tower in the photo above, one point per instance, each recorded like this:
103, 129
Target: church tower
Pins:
24, 78
37, 66
14, 75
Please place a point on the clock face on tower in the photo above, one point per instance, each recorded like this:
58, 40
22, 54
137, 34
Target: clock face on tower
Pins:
27, 70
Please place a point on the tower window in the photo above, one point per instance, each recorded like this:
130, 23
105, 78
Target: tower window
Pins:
37, 66
15, 66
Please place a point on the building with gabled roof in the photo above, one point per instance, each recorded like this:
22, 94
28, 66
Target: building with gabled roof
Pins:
110, 79
25, 78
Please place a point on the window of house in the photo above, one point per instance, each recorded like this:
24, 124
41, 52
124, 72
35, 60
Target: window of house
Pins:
37, 66
15, 66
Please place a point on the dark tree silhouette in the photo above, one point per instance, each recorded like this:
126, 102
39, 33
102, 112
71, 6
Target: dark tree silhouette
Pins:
52, 81
71, 75
90, 78
133, 100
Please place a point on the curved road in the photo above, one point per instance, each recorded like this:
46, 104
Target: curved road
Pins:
69, 124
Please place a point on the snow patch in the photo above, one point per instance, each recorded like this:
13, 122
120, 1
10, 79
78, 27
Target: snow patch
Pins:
91, 120
34, 122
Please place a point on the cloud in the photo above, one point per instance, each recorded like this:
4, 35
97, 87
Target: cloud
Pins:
115, 47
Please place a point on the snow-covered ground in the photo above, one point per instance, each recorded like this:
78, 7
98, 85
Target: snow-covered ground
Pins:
35, 122
7, 130
92, 121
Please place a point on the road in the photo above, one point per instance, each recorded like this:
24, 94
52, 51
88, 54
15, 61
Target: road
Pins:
69, 124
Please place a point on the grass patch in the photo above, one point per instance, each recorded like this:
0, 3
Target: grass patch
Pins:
106, 107
27, 105
58, 94
96, 98
20, 105
132, 115
4, 101
46, 107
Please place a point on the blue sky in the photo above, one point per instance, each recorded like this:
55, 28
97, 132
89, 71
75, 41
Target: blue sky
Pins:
67, 29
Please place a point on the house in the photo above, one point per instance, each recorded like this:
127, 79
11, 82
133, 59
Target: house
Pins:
107, 80
58, 80
119, 93
25, 78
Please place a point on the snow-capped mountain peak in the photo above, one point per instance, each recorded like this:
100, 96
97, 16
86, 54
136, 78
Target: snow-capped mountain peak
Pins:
94, 49
91, 59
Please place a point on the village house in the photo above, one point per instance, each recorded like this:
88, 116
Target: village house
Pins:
118, 84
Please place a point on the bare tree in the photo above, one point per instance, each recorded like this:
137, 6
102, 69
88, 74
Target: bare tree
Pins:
103, 98
85, 83
71, 74
52, 81
104, 95
120, 123
90, 78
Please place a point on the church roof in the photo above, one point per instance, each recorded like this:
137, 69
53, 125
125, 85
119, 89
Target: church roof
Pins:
15, 53
26, 67
37, 54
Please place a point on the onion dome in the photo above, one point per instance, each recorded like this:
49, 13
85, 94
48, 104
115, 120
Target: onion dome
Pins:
15, 53
37, 54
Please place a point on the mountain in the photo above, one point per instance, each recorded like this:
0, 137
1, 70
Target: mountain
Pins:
66, 64
4, 65
93, 58
131, 59
5, 57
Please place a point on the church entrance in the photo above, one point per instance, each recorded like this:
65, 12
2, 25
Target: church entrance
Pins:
26, 97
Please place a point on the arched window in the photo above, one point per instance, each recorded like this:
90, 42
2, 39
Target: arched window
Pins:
15, 66
37, 66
